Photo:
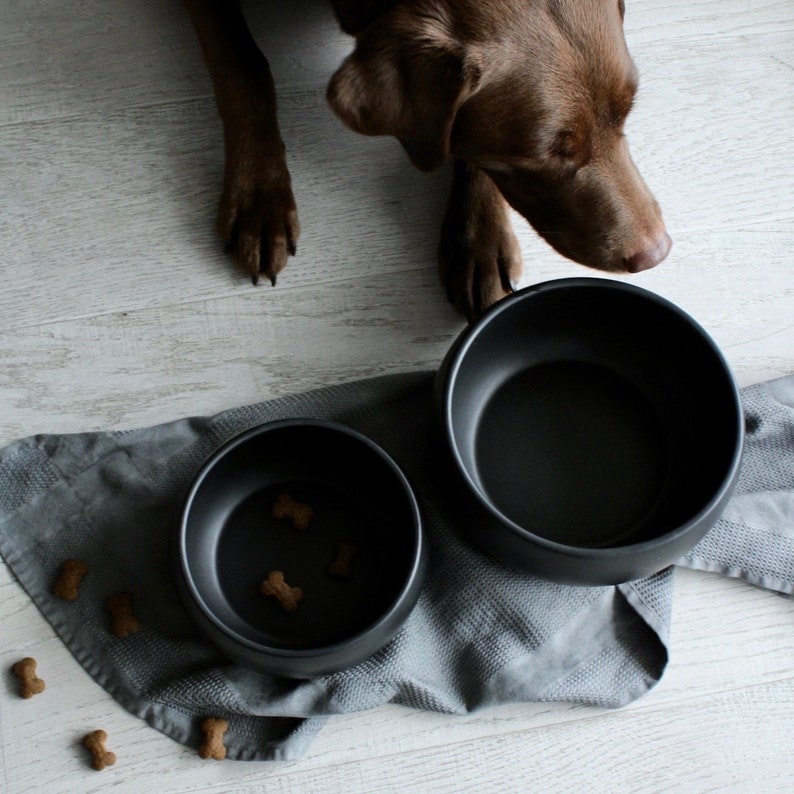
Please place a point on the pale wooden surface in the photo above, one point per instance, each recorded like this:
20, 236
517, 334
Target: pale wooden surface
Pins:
117, 309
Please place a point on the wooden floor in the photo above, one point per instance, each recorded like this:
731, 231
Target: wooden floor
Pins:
118, 309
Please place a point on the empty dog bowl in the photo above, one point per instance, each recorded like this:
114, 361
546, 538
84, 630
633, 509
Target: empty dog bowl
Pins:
593, 429
230, 539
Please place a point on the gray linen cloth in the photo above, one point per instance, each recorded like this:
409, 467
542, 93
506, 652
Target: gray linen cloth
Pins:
481, 634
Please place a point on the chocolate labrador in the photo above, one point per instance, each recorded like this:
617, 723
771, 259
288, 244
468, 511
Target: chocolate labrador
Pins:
528, 98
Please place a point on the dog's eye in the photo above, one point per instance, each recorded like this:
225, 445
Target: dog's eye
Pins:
617, 118
571, 147
563, 144
621, 9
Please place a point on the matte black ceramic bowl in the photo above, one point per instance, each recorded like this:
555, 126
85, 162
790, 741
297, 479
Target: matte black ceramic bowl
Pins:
228, 542
593, 429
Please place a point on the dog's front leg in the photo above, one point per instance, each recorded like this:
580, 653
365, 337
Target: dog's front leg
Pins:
479, 256
257, 217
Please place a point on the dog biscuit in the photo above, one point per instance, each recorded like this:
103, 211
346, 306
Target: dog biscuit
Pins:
95, 743
123, 620
212, 746
68, 582
276, 587
29, 683
298, 513
342, 566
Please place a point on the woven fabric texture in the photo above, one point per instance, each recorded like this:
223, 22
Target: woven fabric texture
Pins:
480, 635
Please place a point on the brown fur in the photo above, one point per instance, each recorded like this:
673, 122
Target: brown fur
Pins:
528, 97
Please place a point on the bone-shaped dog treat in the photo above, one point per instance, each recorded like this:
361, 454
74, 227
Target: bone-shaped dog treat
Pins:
95, 743
298, 513
124, 621
276, 587
67, 584
212, 746
29, 683
342, 565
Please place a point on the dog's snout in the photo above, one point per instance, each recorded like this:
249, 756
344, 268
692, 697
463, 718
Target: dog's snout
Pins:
650, 257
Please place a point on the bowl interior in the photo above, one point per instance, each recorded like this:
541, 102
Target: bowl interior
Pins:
230, 540
592, 415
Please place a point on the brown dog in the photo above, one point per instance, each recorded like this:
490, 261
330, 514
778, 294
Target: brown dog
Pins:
527, 96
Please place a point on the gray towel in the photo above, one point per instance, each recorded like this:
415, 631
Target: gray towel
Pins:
480, 635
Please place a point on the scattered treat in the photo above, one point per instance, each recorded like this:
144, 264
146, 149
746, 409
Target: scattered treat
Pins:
29, 683
124, 621
276, 587
286, 507
342, 565
67, 584
95, 743
212, 746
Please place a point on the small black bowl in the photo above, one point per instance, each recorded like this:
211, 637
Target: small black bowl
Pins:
228, 542
593, 430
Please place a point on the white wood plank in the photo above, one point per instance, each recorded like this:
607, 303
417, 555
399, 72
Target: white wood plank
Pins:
711, 172
117, 309
134, 368
703, 20
117, 203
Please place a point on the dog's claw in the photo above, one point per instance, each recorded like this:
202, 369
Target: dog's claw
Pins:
257, 217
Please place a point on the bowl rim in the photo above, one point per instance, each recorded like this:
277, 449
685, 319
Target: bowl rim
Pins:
469, 336
414, 572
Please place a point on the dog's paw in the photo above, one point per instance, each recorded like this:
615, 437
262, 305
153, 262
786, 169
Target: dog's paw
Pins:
479, 269
257, 217
479, 255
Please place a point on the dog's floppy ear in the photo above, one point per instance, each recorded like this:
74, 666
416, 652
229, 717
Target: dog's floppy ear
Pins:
405, 81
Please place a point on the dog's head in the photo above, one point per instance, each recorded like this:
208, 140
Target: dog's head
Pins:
534, 92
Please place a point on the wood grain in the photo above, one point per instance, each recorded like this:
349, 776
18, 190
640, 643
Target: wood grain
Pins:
118, 309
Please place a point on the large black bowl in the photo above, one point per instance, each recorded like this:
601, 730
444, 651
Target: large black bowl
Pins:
228, 542
592, 428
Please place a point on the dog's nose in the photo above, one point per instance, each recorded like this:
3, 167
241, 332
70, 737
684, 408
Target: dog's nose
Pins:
650, 257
